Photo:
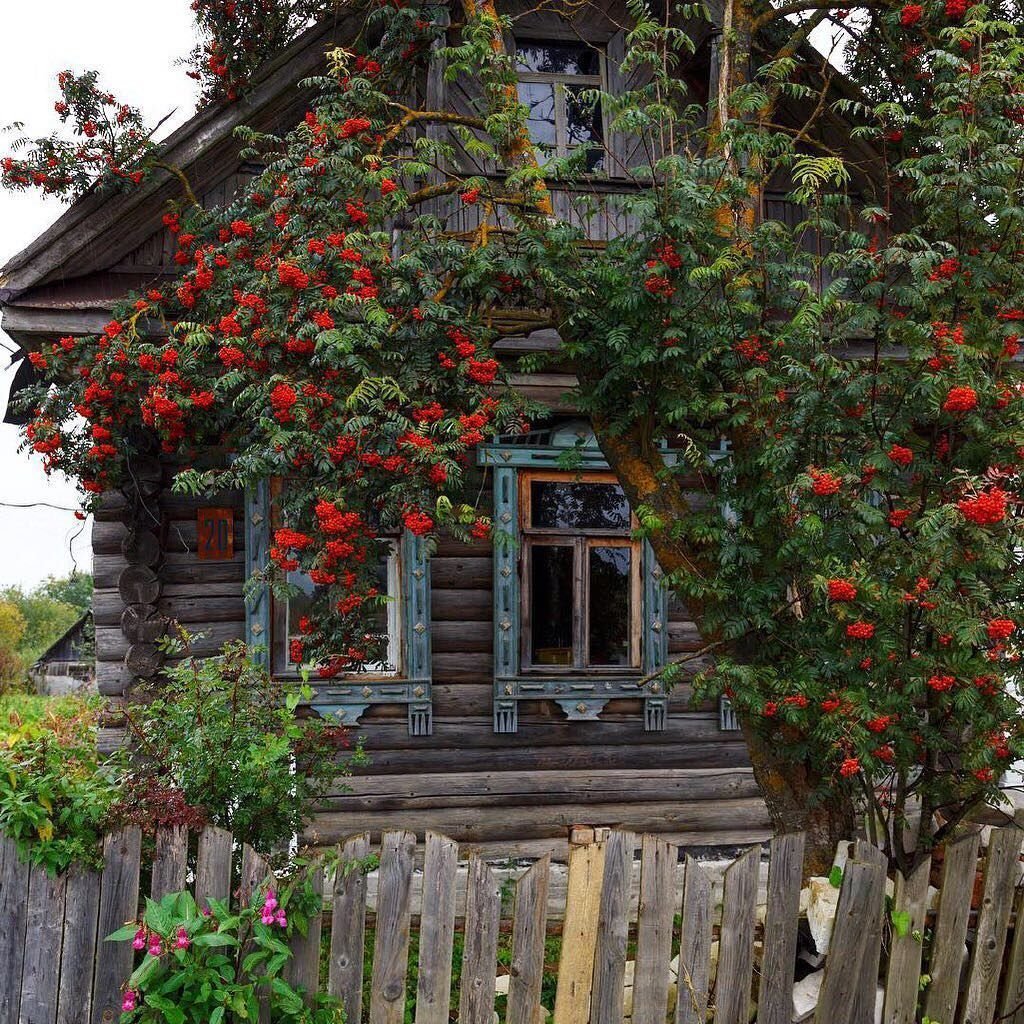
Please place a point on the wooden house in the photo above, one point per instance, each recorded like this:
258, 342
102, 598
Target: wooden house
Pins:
69, 663
512, 706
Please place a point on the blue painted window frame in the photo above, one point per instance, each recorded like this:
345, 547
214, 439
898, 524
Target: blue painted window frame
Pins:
348, 698
581, 696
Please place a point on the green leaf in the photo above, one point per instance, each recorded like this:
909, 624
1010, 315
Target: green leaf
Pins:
900, 922
835, 876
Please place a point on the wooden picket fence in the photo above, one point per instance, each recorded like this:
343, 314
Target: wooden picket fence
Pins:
55, 968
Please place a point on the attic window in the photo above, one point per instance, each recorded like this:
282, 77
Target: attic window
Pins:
554, 78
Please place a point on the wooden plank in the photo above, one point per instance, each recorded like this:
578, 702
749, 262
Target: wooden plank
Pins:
579, 934
1001, 866
528, 934
255, 872
861, 896
944, 968
694, 973
1011, 1008
169, 861
348, 927
864, 1002
606, 1002
303, 970
44, 935
480, 954
437, 930
81, 917
736, 943
213, 865
119, 904
14, 877
391, 943
654, 930
785, 867
903, 979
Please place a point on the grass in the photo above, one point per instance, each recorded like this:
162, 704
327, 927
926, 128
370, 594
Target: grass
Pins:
20, 709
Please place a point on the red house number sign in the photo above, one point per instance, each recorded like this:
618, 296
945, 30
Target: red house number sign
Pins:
216, 528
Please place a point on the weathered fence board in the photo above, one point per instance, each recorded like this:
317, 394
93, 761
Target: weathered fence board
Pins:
903, 981
528, 935
694, 971
951, 928
391, 942
654, 930
213, 866
579, 931
170, 862
865, 998
775, 996
483, 915
437, 930
860, 900
40, 978
1011, 1007
14, 875
119, 903
736, 945
606, 999
304, 967
348, 927
1001, 867
82, 902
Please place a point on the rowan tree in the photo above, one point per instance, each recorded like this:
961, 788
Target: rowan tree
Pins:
843, 512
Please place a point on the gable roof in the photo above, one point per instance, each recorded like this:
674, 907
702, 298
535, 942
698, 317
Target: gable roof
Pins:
103, 225
69, 635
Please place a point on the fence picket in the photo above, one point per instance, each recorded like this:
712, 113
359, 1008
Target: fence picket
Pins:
437, 930
119, 903
579, 931
528, 933
775, 995
606, 1001
255, 871
170, 861
40, 977
867, 990
860, 901
903, 980
945, 966
14, 875
654, 930
736, 944
480, 954
348, 927
694, 965
213, 865
81, 916
303, 970
1011, 1008
391, 944
993, 919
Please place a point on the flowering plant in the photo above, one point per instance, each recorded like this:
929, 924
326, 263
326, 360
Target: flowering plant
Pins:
209, 965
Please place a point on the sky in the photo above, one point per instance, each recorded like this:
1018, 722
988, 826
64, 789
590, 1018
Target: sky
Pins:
134, 44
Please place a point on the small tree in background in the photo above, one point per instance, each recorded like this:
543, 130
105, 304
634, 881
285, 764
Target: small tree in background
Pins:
844, 519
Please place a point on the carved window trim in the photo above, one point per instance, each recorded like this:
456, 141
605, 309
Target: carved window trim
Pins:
348, 698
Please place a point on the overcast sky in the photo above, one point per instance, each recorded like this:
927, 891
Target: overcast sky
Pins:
134, 44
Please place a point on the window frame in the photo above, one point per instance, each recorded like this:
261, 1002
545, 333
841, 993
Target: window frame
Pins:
581, 541
562, 148
346, 698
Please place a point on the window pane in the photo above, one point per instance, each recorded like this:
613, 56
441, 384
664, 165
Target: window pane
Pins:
551, 605
558, 59
583, 124
609, 624
540, 100
578, 506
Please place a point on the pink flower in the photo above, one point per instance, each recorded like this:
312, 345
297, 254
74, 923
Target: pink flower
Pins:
281, 920
182, 941
139, 942
129, 1001
155, 947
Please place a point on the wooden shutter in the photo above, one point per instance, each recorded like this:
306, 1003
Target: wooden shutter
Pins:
628, 150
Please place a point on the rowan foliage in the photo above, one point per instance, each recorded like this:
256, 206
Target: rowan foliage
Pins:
842, 510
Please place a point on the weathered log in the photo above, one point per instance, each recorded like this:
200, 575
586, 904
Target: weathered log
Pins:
138, 584
141, 547
141, 624
143, 660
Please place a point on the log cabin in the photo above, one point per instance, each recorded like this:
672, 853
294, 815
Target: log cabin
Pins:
511, 707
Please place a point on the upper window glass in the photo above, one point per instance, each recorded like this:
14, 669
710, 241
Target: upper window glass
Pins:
563, 505
553, 81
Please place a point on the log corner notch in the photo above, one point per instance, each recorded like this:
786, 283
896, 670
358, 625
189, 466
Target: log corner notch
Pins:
139, 584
